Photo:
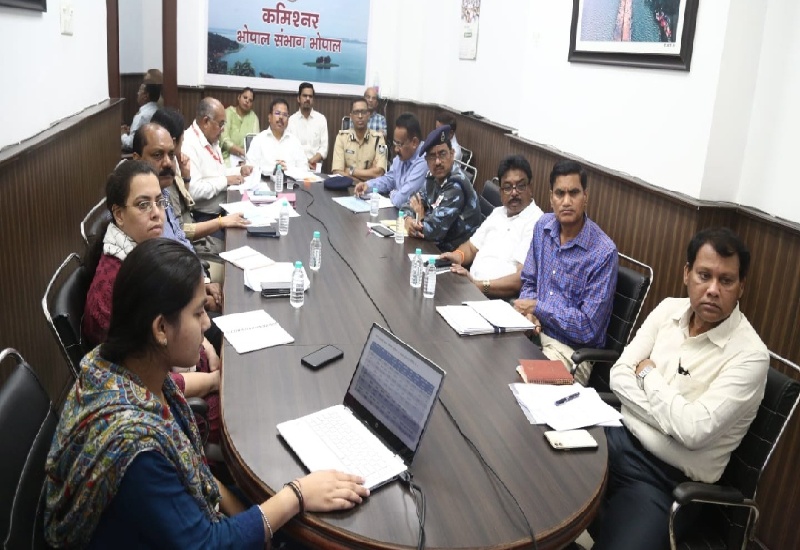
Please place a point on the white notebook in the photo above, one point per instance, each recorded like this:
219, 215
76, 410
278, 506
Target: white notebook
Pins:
252, 330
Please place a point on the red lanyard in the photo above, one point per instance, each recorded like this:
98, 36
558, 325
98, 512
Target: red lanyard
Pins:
208, 147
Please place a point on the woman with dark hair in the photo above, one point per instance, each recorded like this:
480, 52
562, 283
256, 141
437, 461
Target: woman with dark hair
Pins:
240, 120
126, 465
133, 196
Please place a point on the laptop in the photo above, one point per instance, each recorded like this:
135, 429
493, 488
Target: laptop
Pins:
377, 430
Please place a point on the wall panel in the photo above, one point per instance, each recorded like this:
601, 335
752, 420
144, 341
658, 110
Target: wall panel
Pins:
47, 184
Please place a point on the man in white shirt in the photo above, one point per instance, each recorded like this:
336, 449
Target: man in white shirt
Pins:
310, 127
496, 251
210, 176
147, 98
275, 145
690, 384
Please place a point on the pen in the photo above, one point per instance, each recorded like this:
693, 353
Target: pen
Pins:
567, 398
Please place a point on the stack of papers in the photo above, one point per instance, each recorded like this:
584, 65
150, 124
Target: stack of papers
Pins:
252, 330
299, 174
246, 258
538, 402
484, 317
354, 204
276, 272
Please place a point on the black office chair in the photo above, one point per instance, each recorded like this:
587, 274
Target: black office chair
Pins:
470, 171
491, 192
27, 424
730, 512
94, 220
63, 303
346, 123
466, 156
631, 291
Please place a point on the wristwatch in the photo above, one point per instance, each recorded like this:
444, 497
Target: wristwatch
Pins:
642, 373
486, 284
352, 169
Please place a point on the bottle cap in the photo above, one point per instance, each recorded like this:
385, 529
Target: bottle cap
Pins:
298, 264
418, 251
431, 261
285, 203
400, 214
374, 189
316, 234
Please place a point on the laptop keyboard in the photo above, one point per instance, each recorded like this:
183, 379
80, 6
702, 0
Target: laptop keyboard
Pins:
360, 451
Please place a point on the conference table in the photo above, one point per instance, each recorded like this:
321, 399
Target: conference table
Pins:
489, 477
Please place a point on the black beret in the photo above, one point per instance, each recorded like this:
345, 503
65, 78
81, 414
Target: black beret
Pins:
437, 137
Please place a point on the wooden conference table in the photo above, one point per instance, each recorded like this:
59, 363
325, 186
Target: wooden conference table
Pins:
467, 506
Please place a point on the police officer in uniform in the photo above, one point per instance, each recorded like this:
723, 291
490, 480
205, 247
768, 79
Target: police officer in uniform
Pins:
446, 210
359, 152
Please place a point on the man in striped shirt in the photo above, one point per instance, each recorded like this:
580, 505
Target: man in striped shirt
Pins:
570, 274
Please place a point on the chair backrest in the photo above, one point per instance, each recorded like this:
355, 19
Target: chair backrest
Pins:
94, 220
486, 206
751, 457
248, 139
63, 304
470, 171
491, 192
27, 424
466, 156
346, 123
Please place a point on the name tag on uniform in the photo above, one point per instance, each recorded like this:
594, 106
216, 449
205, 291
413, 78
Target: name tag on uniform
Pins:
349, 152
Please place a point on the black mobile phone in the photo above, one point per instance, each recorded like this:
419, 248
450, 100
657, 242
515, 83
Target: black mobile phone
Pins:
321, 357
442, 262
383, 230
263, 232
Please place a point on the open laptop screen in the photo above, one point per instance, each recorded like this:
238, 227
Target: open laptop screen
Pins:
394, 390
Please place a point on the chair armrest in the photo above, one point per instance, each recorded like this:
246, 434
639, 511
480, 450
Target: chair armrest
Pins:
198, 405
691, 491
593, 354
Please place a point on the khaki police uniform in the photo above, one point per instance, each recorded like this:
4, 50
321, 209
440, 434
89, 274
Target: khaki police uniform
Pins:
349, 152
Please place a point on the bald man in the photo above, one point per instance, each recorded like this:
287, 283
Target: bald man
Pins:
377, 122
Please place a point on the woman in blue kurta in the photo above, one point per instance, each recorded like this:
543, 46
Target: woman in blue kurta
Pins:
126, 468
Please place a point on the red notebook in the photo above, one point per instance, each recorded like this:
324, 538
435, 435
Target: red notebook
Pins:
544, 371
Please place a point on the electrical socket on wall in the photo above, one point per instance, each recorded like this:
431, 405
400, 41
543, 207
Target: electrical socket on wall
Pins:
67, 13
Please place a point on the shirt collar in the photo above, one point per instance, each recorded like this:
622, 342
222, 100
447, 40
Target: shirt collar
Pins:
582, 239
720, 334
200, 135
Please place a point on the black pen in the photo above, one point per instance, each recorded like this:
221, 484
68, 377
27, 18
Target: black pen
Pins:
567, 398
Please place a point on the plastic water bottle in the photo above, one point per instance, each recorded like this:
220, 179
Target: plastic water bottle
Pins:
316, 253
400, 229
430, 279
278, 178
374, 202
283, 220
416, 270
297, 296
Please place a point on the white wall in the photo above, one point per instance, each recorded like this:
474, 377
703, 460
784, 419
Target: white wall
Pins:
48, 76
140, 36
770, 167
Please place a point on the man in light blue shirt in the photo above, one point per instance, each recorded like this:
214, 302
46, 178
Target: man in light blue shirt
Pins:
407, 173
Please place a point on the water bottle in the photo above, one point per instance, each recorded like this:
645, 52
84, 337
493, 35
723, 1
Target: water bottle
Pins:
374, 202
316, 253
416, 270
278, 178
430, 279
400, 228
297, 296
283, 220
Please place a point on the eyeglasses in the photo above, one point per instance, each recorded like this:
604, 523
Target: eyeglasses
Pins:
519, 188
360, 112
220, 124
441, 155
145, 207
280, 114
399, 144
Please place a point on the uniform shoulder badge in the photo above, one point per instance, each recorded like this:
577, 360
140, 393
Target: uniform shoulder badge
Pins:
382, 149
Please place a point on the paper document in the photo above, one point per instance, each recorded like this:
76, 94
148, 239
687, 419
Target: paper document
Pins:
252, 330
501, 314
465, 320
391, 224
298, 174
277, 272
246, 258
257, 216
538, 402
353, 204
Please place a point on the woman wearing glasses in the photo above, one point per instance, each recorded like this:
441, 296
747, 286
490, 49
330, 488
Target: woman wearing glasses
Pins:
126, 466
133, 196
240, 120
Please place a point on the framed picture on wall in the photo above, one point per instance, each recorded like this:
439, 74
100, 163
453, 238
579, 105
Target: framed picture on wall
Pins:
37, 5
655, 34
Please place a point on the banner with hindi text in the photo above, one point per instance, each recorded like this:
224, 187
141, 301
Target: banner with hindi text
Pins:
298, 40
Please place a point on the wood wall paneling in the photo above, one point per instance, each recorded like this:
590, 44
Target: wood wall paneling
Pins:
47, 184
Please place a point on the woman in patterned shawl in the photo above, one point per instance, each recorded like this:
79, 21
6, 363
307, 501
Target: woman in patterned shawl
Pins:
126, 468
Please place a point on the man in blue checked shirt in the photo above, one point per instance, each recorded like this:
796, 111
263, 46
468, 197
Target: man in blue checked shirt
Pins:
407, 173
570, 274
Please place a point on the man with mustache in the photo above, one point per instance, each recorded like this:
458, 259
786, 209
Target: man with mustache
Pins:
495, 253
359, 153
446, 209
310, 127
275, 145
690, 384
570, 273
